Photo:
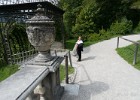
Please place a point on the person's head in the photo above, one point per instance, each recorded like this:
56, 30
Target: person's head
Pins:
79, 38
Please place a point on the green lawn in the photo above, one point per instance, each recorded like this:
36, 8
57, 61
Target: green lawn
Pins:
127, 53
6, 71
70, 44
62, 71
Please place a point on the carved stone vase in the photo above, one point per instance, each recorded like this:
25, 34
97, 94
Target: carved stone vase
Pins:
41, 34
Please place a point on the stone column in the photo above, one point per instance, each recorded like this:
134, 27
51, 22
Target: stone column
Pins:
52, 84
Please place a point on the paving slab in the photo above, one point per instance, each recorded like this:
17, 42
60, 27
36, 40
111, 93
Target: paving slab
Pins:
71, 89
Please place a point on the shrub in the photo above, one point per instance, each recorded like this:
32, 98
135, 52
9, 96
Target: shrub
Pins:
105, 34
102, 35
93, 37
122, 27
137, 29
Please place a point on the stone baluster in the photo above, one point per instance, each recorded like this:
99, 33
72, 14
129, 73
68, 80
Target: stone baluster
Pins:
30, 97
40, 90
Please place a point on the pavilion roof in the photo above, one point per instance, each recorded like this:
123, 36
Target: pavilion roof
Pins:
30, 6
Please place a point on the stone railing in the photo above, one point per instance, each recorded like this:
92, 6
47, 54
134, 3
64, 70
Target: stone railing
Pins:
39, 78
33, 82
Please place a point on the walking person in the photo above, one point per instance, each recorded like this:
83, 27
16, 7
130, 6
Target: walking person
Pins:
79, 45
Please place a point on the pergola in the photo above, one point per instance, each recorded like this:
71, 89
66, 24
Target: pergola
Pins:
14, 12
8, 2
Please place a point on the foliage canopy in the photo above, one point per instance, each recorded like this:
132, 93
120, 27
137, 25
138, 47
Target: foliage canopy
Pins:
91, 16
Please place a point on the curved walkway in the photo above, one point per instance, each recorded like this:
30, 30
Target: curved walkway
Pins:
104, 75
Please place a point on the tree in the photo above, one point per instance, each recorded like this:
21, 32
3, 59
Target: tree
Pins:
72, 9
87, 18
84, 22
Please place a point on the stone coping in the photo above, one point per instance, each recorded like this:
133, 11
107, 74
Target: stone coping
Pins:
19, 85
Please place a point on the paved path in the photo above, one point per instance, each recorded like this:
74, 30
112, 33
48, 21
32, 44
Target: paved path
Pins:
104, 75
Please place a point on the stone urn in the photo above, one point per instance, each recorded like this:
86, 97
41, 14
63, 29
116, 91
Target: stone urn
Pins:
41, 34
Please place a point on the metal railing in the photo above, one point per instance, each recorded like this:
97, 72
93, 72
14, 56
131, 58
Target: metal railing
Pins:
68, 59
67, 53
23, 57
135, 49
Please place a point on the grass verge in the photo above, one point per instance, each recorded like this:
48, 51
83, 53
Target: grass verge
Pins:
70, 44
7, 70
62, 71
127, 53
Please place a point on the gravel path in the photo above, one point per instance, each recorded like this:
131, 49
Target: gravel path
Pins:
104, 75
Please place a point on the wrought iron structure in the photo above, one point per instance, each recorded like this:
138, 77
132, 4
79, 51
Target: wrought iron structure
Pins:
8, 2
14, 45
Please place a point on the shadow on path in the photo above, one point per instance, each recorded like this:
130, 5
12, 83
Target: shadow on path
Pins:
86, 92
88, 58
87, 49
92, 89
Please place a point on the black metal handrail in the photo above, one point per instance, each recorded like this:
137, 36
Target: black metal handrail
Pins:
68, 59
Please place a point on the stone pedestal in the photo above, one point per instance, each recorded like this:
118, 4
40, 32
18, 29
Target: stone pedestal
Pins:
52, 82
41, 34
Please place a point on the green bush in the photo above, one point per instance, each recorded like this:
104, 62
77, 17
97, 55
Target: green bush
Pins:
70, 44
93, 37
105, 34
102, 35
137, 29
122, 27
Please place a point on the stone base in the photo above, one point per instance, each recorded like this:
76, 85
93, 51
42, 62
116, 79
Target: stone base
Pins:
58, 92
43, 57
43, 62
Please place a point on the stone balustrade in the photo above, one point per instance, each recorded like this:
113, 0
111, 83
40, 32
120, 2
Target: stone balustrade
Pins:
33, 82
39, 78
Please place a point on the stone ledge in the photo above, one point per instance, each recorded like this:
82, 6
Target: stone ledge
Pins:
19, 85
